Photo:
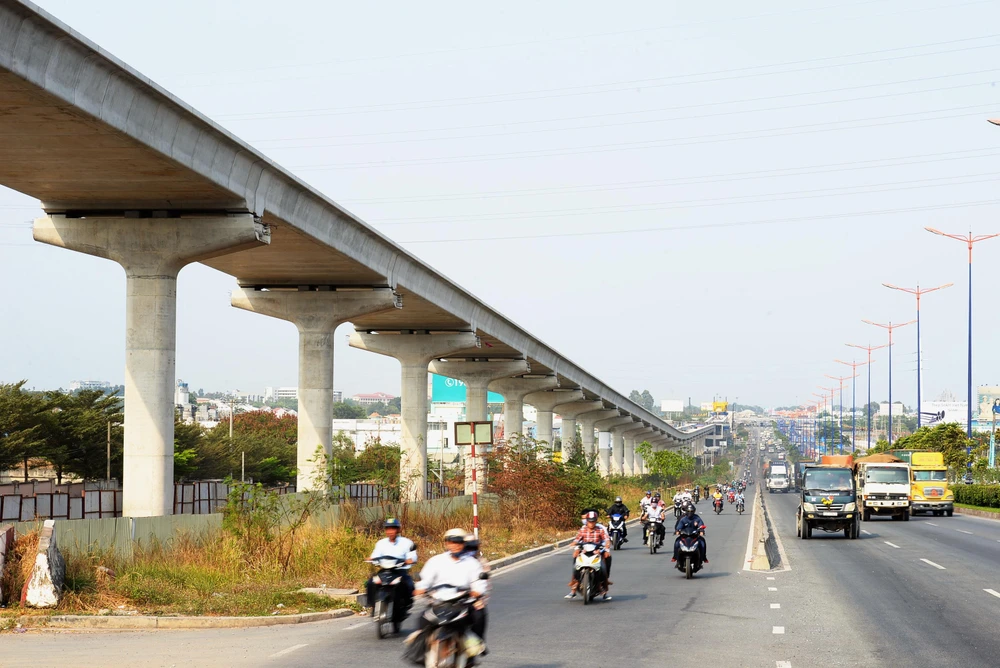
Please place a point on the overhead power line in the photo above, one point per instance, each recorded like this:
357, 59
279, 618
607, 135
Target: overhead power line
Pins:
767, 133
657, 82
708, 226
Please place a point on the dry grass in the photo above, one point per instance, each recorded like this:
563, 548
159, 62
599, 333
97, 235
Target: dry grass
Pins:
208, 575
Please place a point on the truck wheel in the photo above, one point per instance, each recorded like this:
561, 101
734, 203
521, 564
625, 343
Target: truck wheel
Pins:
866, 515
855, 531
905, 517
804, 531
950, 513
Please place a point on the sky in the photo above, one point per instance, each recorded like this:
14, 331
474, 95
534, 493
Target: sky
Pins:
699, 199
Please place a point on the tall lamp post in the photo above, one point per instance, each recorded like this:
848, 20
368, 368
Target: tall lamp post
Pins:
917, 291
841, 380
868, 406
970, 240
820, 402
854, 399
889, 327
832, 391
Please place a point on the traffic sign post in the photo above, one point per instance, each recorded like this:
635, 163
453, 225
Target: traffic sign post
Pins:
473, 434
993, 432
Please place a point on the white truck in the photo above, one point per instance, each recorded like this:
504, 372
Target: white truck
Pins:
777, 478
883, 487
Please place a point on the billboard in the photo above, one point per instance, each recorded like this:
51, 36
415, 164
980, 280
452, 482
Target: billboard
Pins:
672, 405
983, 411
450, 390
720, 406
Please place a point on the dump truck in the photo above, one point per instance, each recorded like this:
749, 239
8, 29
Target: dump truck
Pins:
828, 498
929, 485
777, 479
883, 483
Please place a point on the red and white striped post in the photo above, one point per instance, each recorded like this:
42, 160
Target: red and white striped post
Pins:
472, 434
475, 490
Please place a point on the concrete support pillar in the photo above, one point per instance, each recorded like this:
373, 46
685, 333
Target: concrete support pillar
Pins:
414, 352
316, 314
633, 438
567, 433
545, 404
152, 252
514, 391
618, 447
605, 462
477, 375
588, 421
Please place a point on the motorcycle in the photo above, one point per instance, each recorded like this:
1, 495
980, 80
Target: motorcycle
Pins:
690, 553
589, 567
655, 535
718, 506
739, 507
384, 610
678, 508
449, 642
616, 531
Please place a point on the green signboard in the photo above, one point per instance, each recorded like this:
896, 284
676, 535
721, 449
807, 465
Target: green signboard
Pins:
450, 390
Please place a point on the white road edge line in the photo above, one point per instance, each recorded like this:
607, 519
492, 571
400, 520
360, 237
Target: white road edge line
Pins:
287, 650
777, 630
963, 531
891, 544
991, 592
938, 566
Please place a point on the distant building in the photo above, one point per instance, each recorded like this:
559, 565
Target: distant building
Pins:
286, 393
89, 385
182, 395
338, 396
374, 398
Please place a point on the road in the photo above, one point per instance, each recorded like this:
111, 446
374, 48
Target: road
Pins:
909, 593
655, 618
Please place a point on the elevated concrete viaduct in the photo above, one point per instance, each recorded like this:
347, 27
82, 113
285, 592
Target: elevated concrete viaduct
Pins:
126, 171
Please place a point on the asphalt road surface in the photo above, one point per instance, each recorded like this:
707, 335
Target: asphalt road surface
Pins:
919, 593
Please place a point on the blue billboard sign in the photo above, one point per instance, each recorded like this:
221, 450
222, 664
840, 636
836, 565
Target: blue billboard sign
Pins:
450, 390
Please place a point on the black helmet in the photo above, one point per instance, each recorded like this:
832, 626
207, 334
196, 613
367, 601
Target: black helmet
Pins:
689, 509
392, 523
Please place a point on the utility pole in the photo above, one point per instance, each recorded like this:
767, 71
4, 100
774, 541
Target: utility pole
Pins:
889, 327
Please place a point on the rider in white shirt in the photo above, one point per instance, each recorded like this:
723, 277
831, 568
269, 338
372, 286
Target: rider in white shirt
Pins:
394, 545
656, 511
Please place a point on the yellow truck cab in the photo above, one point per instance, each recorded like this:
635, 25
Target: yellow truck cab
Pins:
929, 484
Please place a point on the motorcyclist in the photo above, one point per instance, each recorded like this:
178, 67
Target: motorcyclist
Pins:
453, 567
740, 500
645, 501
717, 497
619, 508
697, 493
688, 521
656, 512
394, 545
591, 532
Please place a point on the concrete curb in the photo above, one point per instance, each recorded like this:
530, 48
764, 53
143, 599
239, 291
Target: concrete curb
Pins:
140, 622
972, 512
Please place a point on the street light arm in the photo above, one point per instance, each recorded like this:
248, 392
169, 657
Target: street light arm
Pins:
896, 287
966, 239
984, 237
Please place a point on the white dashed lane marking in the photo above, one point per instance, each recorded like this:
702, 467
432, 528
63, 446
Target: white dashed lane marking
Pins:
775, 606
891, 544
287, 650
931, 563
931, 524
782, 664
866, 531
992, 592
778, 630
963, 531
772, 589
771, 578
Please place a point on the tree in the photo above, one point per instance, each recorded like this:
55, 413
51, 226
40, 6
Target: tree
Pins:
19, 425
349, 410
644, 399
75, 433
668, 464
187, 439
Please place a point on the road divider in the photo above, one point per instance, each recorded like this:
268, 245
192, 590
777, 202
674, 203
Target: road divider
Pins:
765, 551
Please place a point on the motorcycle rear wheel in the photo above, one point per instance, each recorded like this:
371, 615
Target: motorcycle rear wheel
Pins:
380, 615
585, 586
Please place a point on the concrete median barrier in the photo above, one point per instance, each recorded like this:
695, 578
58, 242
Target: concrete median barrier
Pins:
6, 545
765, 556
44, 588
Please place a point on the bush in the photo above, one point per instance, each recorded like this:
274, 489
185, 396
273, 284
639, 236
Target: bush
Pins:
987, 496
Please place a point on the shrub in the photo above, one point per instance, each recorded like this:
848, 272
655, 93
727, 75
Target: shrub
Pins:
987, 496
